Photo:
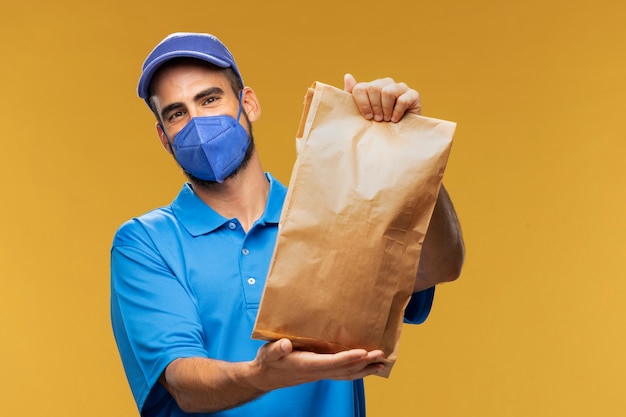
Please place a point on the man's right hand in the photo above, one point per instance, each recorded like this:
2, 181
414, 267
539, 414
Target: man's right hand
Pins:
278, 365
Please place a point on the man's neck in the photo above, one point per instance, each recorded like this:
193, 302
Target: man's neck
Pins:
243, 196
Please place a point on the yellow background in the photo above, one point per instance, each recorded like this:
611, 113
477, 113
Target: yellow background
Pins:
534, 327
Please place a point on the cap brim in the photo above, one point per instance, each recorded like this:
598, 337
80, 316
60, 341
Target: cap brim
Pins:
143, 88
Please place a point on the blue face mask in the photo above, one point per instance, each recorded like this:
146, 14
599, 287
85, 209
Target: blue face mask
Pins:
211, 147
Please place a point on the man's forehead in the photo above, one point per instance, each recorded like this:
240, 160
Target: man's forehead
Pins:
187, 71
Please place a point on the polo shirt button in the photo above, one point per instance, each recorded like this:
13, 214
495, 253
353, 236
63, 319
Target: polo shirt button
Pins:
251, 281
245, 251
232, 226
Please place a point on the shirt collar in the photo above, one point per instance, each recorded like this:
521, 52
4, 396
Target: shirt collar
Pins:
199, 218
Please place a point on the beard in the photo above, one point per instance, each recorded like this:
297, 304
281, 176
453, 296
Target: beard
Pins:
244, 163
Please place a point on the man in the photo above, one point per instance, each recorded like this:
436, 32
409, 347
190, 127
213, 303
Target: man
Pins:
186, 279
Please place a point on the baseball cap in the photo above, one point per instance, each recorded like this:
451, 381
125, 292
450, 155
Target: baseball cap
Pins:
202, 46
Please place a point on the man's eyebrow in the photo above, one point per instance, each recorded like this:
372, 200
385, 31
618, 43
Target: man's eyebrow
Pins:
208, 92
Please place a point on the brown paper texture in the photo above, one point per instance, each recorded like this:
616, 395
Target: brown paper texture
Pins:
358, 206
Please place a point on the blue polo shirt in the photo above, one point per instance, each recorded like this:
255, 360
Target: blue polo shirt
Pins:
187, 282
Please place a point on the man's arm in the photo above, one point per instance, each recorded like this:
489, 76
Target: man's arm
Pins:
443, 250
202, 385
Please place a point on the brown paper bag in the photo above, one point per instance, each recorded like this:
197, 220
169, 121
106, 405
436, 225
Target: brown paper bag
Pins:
359, 202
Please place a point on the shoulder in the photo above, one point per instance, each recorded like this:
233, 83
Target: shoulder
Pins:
151, 225
142, 227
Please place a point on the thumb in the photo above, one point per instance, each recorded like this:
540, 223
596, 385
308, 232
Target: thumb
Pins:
276, 350
348, 83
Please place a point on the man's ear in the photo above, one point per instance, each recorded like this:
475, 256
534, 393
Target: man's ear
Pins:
163, 138
250, 104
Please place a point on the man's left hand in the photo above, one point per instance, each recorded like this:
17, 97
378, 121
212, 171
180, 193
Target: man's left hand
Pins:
383, 99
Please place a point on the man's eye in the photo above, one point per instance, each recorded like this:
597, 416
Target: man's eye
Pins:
210, 100
176, 115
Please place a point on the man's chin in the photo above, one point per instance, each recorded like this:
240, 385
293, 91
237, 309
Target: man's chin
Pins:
210, 183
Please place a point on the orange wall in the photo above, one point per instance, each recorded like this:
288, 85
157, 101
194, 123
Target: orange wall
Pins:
535, 326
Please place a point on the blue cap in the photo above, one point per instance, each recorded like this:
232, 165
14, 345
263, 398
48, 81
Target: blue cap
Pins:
184, 44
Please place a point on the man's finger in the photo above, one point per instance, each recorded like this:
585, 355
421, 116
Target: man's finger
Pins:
348, 83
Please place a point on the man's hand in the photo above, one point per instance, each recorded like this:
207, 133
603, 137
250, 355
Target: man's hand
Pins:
278, 365
383, 99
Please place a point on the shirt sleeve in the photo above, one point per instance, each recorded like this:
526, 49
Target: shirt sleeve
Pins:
419, 306
153, 315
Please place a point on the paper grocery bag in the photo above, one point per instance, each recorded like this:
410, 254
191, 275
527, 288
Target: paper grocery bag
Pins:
358, 206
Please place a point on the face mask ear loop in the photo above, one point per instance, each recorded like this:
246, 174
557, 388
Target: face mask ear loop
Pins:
240, 105
166, 136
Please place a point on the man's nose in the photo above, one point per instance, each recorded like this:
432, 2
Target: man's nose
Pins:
192, 112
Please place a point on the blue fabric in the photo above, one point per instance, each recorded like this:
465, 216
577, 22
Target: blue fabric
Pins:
419, 306
201, 46
187, 282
